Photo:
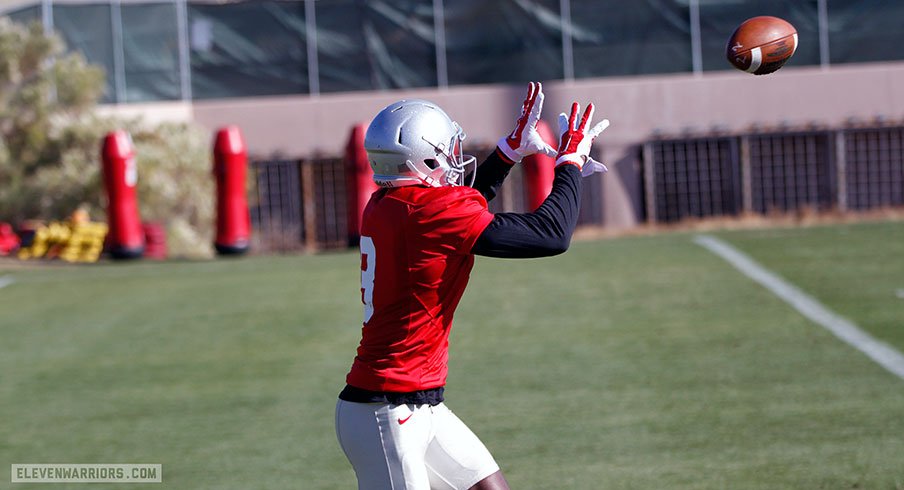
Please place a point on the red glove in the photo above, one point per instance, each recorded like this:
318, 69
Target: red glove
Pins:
524, 139
575, 142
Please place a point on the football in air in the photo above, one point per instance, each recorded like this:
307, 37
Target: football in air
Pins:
761, 45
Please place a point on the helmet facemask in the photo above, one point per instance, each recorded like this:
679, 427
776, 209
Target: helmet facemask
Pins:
450, 167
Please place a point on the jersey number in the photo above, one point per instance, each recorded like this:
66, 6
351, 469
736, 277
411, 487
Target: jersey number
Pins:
368, 264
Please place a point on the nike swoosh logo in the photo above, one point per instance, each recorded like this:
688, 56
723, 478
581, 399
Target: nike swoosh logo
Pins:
402, 421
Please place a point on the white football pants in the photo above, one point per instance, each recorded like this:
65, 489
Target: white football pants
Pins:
410, 447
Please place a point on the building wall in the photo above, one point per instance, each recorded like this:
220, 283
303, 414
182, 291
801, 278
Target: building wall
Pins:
151, 112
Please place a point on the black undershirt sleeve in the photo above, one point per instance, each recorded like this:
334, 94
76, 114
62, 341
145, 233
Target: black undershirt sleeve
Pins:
491, 173
544, 232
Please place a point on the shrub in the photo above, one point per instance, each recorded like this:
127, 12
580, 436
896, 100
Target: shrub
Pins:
50, 137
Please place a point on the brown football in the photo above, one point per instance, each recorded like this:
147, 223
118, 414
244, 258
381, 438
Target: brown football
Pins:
761, 45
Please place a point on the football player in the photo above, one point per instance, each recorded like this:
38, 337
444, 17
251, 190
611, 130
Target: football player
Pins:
419, 235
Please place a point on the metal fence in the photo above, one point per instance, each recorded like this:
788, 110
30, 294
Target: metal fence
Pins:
873, 167
697, 177
299, 204
845, 169
276, 212
789, 171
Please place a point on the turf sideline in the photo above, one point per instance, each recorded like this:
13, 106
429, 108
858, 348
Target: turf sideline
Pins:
884, 354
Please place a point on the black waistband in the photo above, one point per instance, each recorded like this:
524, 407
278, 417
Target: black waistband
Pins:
430, 397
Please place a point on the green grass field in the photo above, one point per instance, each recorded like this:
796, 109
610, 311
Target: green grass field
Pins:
631, 363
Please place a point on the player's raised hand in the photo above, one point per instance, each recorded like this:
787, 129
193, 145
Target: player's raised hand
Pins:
524, 140
576, 139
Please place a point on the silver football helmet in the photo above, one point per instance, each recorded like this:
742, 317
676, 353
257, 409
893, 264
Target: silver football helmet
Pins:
413, 142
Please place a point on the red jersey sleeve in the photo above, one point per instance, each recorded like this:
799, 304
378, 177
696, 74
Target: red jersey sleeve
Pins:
453, 219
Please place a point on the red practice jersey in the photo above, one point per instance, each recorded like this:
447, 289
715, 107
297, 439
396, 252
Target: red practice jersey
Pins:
415, 262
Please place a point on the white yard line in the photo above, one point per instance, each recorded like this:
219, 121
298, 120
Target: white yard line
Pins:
6, 281
884, 354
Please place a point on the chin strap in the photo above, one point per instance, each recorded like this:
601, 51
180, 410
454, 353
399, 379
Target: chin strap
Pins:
394, 181
432, 177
